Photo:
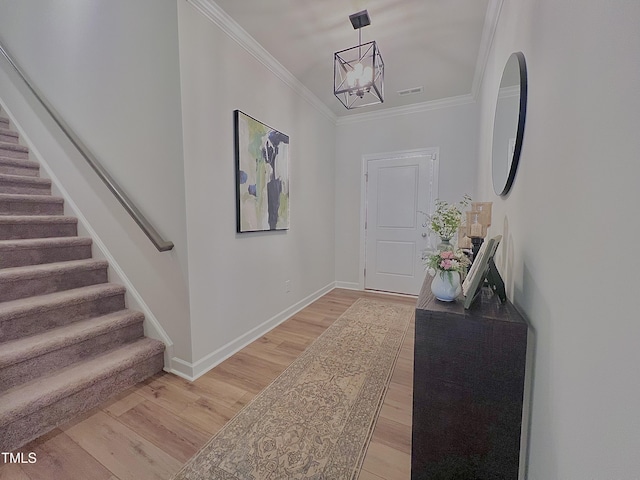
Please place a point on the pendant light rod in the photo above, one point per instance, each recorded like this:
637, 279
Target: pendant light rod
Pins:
359, 21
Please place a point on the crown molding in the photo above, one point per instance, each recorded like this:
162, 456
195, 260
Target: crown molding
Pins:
488, 32
407, 109
211, 10
228, 25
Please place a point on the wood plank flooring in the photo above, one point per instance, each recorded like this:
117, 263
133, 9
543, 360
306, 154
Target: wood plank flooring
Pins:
152, 429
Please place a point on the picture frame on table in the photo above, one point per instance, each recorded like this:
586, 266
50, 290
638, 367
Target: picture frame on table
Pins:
484, 268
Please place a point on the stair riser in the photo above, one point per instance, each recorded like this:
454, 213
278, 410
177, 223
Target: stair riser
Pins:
52, 361
38, 256
45, 319
66, 280
30, 208
7, 137
13, 153
31, 426
16, 170
40, 230
25, 189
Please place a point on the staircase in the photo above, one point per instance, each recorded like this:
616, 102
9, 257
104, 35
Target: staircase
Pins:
67, 341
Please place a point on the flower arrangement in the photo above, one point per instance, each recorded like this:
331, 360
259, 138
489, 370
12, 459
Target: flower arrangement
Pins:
447, 218
447, 261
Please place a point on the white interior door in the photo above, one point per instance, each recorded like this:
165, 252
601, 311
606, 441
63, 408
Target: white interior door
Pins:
400, 188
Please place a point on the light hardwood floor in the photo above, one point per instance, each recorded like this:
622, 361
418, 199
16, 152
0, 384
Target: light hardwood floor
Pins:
152, 429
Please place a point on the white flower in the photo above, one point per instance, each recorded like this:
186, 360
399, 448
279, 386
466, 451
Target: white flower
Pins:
447, 218
431, 271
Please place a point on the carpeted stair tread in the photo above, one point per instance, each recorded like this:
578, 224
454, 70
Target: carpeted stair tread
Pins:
29, 243
8, 135
24, 306
36, 251
38, 271
23, 349
33, 280
36, 219
18, 197
4, 122
26, 316
19, 162
23, 179
19, 204
27, 398
13, 150
24, 184
14, 227
17, 166
13, 147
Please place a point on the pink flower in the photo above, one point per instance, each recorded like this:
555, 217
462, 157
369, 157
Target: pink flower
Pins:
446, 254
445, 264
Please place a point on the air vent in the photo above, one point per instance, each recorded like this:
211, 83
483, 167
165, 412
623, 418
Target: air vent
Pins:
410, 91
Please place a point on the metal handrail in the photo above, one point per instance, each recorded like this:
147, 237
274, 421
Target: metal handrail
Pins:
161, 244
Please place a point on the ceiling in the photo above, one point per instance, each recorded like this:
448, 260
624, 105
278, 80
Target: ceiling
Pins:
429, 43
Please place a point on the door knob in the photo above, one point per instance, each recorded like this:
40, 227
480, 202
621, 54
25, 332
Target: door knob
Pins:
424, 234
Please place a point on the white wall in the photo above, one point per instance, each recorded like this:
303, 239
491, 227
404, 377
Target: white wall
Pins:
237, 281
570, 226
110, 68
452, 129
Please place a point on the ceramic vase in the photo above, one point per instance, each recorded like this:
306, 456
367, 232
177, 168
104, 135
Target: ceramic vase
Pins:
446, 285
445, 244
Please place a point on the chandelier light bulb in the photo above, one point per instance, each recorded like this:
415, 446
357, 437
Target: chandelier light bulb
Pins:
367, 76
351, 78
354, 77
360, 76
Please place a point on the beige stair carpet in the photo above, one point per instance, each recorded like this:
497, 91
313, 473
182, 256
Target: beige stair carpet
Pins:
67, 340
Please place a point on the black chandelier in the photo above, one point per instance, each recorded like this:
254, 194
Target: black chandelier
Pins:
358, 72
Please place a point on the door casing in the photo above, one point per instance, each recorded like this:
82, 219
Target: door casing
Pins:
403, 154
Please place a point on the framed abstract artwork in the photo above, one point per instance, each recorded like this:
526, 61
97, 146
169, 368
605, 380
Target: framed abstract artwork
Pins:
262, 176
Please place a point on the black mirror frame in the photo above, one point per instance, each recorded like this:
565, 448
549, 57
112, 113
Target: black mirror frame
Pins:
522, 66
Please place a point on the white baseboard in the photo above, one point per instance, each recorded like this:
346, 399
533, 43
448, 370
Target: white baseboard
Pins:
348, 285
181, 368
356, 286
191, 371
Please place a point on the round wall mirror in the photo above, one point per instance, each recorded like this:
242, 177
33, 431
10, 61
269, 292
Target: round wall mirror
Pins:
508, 124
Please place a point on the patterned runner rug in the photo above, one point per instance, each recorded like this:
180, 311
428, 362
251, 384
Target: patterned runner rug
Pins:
316, 419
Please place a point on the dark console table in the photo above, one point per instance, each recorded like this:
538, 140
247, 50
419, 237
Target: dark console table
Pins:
468, 384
